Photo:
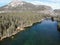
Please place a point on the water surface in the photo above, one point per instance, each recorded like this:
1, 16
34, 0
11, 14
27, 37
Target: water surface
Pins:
44, 33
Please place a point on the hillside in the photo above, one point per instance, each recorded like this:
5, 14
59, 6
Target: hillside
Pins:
21, 14
21, 6
57, 11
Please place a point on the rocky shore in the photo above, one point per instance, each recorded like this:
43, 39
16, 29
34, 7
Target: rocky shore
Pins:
18, 29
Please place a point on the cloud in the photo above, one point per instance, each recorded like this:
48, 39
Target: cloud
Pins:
53, 5
1, 0
4, 2
55, 0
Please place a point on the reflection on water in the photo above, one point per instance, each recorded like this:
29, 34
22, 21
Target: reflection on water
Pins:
44, 33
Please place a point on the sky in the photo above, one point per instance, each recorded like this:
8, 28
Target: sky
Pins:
55, 4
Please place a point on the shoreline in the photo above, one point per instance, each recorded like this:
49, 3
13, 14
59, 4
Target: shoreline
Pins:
18, 29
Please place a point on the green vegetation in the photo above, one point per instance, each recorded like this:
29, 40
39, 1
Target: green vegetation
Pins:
10, 21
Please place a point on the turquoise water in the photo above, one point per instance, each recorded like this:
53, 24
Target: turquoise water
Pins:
44, 33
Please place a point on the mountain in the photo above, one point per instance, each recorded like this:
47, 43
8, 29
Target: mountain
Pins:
44, 9
57, 11
20, 6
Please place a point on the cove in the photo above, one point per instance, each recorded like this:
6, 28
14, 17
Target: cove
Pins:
44, 33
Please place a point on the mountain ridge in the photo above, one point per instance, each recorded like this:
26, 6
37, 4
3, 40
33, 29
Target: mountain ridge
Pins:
17, 5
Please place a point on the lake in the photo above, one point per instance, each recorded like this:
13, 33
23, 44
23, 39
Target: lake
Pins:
44, 33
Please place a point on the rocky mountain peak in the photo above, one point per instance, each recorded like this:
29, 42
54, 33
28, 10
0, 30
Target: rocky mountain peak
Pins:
21, 6
15, 3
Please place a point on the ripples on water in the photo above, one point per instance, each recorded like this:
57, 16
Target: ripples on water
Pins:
44, 33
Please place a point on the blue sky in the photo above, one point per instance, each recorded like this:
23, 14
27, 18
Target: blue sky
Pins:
55, 4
